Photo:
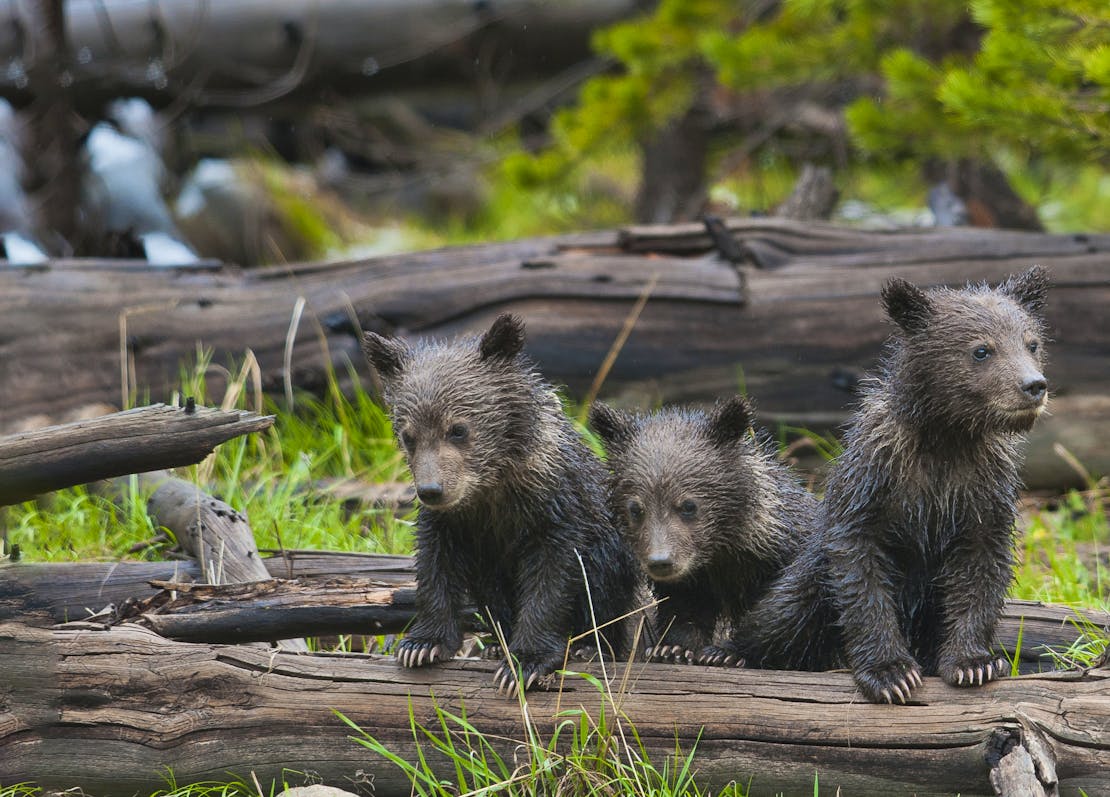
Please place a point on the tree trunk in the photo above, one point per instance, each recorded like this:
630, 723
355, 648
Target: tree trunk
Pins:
806, 327
814, 195
237, 53
56, 130
142, 439
321, 593
672, 184
143, 704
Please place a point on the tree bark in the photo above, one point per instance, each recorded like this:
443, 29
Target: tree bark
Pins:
142, 439
145, 704
68, 591
237, 53
215, 535
806, 327
672, 186
814, 195
322, 593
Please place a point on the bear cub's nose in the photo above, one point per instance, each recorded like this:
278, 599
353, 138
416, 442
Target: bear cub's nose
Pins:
660, 565
1035, 389
430, 492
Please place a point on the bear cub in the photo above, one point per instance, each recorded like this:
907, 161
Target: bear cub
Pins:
711, 514
914, 550
510, 498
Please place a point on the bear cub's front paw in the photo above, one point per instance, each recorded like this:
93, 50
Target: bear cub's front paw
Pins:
420, 652
889, 681
973, 670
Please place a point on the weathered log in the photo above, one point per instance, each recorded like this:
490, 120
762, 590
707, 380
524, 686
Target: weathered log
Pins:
215, 535
335, 594
806, 327
264, 611
67, 591
142, 439
271, 610
145, 704
240, 53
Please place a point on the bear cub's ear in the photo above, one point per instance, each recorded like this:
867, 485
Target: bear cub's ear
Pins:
906, 305
503, 340
615, 429
387, 355
1029, 289
730, 421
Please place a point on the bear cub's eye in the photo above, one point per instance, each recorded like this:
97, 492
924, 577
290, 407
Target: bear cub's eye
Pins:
458, 433
635, 510
688, 509
1033, 346
408, 440
981, 353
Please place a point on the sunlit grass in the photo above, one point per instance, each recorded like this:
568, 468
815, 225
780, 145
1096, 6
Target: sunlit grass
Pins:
1063, 553
586, 753
274, 477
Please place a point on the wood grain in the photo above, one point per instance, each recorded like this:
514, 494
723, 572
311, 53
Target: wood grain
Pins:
127, 703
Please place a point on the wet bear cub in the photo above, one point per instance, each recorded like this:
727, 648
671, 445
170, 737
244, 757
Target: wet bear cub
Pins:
710, 512
918, 533
510, 499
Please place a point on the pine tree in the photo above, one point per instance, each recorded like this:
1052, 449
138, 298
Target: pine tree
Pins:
917, 80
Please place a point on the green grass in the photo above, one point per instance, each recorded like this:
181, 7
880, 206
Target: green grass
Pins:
584, 755
1063, 552
274, 476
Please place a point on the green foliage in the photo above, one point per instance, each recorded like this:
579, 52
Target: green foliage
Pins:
1064, 553
273, 477
20, 790
1039, 84
1027, 83
661, 65
584, 755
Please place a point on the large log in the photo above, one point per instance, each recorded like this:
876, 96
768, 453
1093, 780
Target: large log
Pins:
142, 439
236, 53
326, 594
797, 326
110, 711
68, 591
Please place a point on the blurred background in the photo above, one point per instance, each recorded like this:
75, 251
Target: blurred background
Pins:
269, 131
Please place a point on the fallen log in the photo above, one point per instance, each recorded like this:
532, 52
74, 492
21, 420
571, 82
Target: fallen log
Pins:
142, 439
796, 327
327, 594
145, 704
237, 53
67, 591
278, 609
270, 610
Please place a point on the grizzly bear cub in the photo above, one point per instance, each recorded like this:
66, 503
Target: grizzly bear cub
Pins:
511, 501
913, 554
710, 512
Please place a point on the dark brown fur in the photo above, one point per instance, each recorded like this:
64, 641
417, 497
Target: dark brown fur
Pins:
510, 498
913, 556
711, 514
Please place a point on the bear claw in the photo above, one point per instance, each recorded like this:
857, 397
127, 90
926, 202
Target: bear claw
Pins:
714, 656
890, 683
975, 672
670, 654
413, 653
505, 678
